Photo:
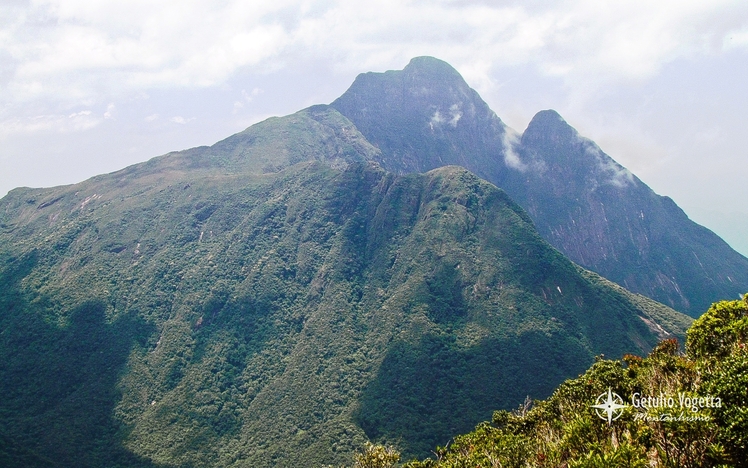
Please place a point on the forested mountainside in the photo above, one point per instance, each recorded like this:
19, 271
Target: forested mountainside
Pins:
278, 299
583, 202
671, 409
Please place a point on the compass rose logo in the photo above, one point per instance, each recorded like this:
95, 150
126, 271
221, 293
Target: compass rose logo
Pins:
609, 406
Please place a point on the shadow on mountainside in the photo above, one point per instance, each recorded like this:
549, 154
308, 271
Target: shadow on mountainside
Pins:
427, 392
59, 383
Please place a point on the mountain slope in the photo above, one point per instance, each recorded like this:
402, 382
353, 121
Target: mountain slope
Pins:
425, 117
276, 299
679, 430
582, 201
603, 217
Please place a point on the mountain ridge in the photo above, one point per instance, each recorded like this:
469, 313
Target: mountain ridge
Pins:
582, 201
232, 306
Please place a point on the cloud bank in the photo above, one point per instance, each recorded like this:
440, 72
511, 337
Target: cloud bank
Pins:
83, 50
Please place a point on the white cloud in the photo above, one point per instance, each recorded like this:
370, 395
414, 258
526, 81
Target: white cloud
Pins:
249, 97
59, 123
511, 158
109, 113
736, 39
79, 114
98, 47
455, 113
181, 120
436, 119
618, 175
93, 48
246, 98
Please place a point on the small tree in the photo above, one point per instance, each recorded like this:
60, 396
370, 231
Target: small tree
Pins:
376, 456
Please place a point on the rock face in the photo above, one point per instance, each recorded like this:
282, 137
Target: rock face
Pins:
425, 117
582, 201
278, 298
603, 217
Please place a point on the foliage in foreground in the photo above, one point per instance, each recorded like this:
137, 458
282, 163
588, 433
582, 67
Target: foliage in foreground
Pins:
705, 425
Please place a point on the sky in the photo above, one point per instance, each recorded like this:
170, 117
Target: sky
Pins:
92, 86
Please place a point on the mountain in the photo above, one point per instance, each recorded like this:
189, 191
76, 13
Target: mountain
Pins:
584, 203
656, 418
277, 299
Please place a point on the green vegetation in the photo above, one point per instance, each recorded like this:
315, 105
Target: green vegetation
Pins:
157, 317
279, 300
582, 202
376, 456
706, 425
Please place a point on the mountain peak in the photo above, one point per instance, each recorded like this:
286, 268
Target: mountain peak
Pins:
432, 67
549, 126
548, 115
420, 115
424, 81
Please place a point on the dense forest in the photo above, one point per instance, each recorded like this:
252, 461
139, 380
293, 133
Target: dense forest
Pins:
365, 272
682, 408
283, 319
